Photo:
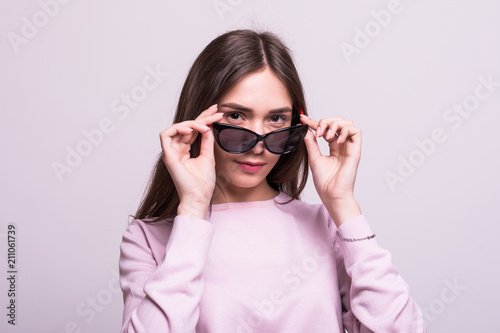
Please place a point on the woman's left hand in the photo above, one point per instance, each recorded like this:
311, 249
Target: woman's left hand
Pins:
334, 175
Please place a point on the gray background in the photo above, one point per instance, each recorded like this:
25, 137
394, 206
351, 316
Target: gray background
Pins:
68, 74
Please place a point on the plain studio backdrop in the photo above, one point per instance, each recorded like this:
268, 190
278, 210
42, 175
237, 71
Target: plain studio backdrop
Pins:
87, 86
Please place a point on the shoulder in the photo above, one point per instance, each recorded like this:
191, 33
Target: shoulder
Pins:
145, 235
150, 230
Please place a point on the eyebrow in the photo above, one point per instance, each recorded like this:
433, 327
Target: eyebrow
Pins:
238, 107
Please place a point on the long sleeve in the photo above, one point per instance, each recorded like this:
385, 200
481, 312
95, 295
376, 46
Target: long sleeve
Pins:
375, 298
164, 296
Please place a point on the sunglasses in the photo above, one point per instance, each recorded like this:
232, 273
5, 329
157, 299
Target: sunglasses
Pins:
238, 140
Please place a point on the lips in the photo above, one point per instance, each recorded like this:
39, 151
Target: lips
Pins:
250, 166
251, 163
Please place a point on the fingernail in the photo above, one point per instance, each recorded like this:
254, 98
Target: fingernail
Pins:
339, 137
329, 134
317, 131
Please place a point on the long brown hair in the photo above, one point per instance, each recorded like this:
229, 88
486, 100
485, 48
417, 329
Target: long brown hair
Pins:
224, 62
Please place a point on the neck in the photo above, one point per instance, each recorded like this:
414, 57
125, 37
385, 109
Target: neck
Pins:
231, 193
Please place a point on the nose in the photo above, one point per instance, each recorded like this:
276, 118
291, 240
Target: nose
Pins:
259, 147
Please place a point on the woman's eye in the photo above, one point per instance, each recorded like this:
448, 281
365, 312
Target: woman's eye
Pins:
277, 119
233, 116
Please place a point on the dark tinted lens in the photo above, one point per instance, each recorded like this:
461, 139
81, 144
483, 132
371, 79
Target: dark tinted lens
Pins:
284, 141
236, 140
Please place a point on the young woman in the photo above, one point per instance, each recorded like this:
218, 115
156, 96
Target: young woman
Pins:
221, 242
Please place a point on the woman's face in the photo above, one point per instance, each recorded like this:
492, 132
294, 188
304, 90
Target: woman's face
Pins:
261, 103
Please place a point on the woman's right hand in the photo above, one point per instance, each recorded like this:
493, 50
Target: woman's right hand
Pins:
194, 178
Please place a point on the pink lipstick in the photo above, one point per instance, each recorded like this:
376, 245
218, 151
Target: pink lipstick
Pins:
250, 167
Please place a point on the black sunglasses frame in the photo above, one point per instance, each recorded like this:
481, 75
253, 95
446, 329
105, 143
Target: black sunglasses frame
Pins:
219, 127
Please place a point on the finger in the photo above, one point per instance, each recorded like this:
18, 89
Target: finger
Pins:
166, 140
331, 134
319, 126
312, 147
175, 130
209, 116
166, 143
208, 112
174, 139
334, 128
308, 121
329, 126
349, 133
203, 127
213, 118
183, 131
312, 124
184, 128
207, 144
197, 128
323, 125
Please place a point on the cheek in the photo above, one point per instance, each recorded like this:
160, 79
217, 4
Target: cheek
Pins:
223, 162
273, 159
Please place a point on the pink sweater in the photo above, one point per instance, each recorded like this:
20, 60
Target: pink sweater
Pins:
261, 267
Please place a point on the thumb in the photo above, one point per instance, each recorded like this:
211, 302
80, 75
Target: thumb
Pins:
313, 150
207, 143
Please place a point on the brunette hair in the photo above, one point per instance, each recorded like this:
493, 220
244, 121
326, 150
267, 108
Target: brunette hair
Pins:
224, 62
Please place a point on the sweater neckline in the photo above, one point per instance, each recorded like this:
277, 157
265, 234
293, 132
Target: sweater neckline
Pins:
281, 197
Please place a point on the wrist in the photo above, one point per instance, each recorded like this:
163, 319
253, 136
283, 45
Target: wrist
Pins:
343, 210
193, 209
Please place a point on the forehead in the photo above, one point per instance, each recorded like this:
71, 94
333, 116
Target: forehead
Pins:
259, 91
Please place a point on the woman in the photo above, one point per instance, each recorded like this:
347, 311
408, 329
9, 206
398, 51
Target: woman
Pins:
221, 242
